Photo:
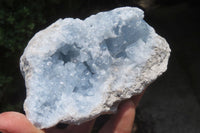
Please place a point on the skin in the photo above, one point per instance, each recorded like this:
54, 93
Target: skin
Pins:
121, 122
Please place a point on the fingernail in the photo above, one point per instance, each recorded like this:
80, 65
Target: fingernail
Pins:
127, 103
130, 102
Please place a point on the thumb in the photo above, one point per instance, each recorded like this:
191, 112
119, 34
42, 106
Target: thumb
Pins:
14, 122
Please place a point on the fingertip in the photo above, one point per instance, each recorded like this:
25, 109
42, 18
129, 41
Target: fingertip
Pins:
123, 120
6, 120
84, 127
136, 98
127, 104
14, 122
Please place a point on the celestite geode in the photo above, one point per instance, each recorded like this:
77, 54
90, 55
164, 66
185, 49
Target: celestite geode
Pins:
76, 69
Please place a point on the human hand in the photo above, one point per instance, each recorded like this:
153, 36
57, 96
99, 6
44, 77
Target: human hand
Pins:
121, 122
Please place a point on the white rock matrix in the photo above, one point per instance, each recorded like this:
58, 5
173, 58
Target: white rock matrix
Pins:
76, 70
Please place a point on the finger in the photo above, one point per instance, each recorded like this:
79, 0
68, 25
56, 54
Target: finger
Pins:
83, 128
136, 99
54, 130
121, 122
14, 122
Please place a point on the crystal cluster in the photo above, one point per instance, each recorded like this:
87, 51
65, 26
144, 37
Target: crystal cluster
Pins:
76, 69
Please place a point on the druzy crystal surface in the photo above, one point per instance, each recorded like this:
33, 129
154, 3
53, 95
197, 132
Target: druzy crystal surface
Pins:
76, 69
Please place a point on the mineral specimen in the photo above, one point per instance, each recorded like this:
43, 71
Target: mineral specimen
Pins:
75, 70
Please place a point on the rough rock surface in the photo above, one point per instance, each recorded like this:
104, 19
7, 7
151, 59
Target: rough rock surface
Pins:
76, 69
